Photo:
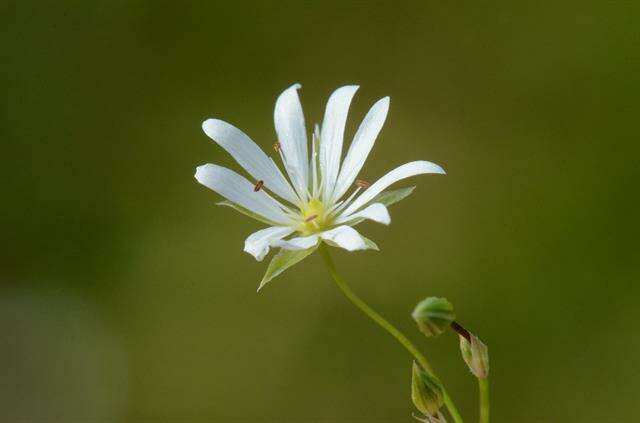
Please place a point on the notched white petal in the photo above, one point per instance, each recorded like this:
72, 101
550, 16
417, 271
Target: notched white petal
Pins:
292, 135
249, 156
259, 243
376, 212
300, 243
361, 146
237, 189
401, 172
332, 135
344, 237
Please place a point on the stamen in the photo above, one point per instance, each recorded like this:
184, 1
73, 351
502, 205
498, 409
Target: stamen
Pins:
258, 186
276, 146
362, 183
346, 202
310, 218
332, 208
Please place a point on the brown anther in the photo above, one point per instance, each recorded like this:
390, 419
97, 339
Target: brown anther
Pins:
362, 183
310, 218
276, 146
258, 186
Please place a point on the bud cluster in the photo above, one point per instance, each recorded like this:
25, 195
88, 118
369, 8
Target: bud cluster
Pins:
434, 316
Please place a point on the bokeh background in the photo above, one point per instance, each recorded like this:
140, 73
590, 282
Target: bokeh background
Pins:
125, 294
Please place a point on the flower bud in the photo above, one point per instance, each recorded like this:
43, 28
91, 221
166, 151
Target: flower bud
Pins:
433, 315
426, 391
476, 355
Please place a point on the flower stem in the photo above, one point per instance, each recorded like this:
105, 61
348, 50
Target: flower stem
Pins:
364, 307
483, 385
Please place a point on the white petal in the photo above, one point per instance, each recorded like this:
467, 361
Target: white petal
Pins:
292, 135
332, 135
258, 243
249, 156
237, 189
401, 172
344, 237
361, 146
313, 164
301, 243
376, 212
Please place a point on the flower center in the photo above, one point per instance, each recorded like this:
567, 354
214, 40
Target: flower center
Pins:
314, 218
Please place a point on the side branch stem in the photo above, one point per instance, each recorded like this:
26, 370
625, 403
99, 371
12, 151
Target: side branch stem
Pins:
382, 322
483, 385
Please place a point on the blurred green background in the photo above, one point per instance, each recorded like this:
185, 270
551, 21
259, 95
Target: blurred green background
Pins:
125, 294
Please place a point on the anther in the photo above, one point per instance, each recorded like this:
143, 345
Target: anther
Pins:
258, 186
362, 183
276, 146
310, 218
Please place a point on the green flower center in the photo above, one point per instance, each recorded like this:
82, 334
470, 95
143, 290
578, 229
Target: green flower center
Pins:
315, 218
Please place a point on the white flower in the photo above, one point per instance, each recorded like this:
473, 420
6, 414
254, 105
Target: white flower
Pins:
311, 205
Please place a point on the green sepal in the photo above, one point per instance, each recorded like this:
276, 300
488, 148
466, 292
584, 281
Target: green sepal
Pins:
370, 244
246, 212
391, 197
283, 260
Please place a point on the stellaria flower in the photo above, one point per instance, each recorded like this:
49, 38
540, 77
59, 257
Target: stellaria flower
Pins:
312, 205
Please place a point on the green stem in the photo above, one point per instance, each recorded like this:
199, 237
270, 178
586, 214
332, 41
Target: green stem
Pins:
483, 385
364, 307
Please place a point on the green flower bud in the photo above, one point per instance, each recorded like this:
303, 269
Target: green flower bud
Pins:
433, 315
476, 355
426, 392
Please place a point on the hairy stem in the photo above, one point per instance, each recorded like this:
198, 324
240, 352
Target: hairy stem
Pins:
399, 336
